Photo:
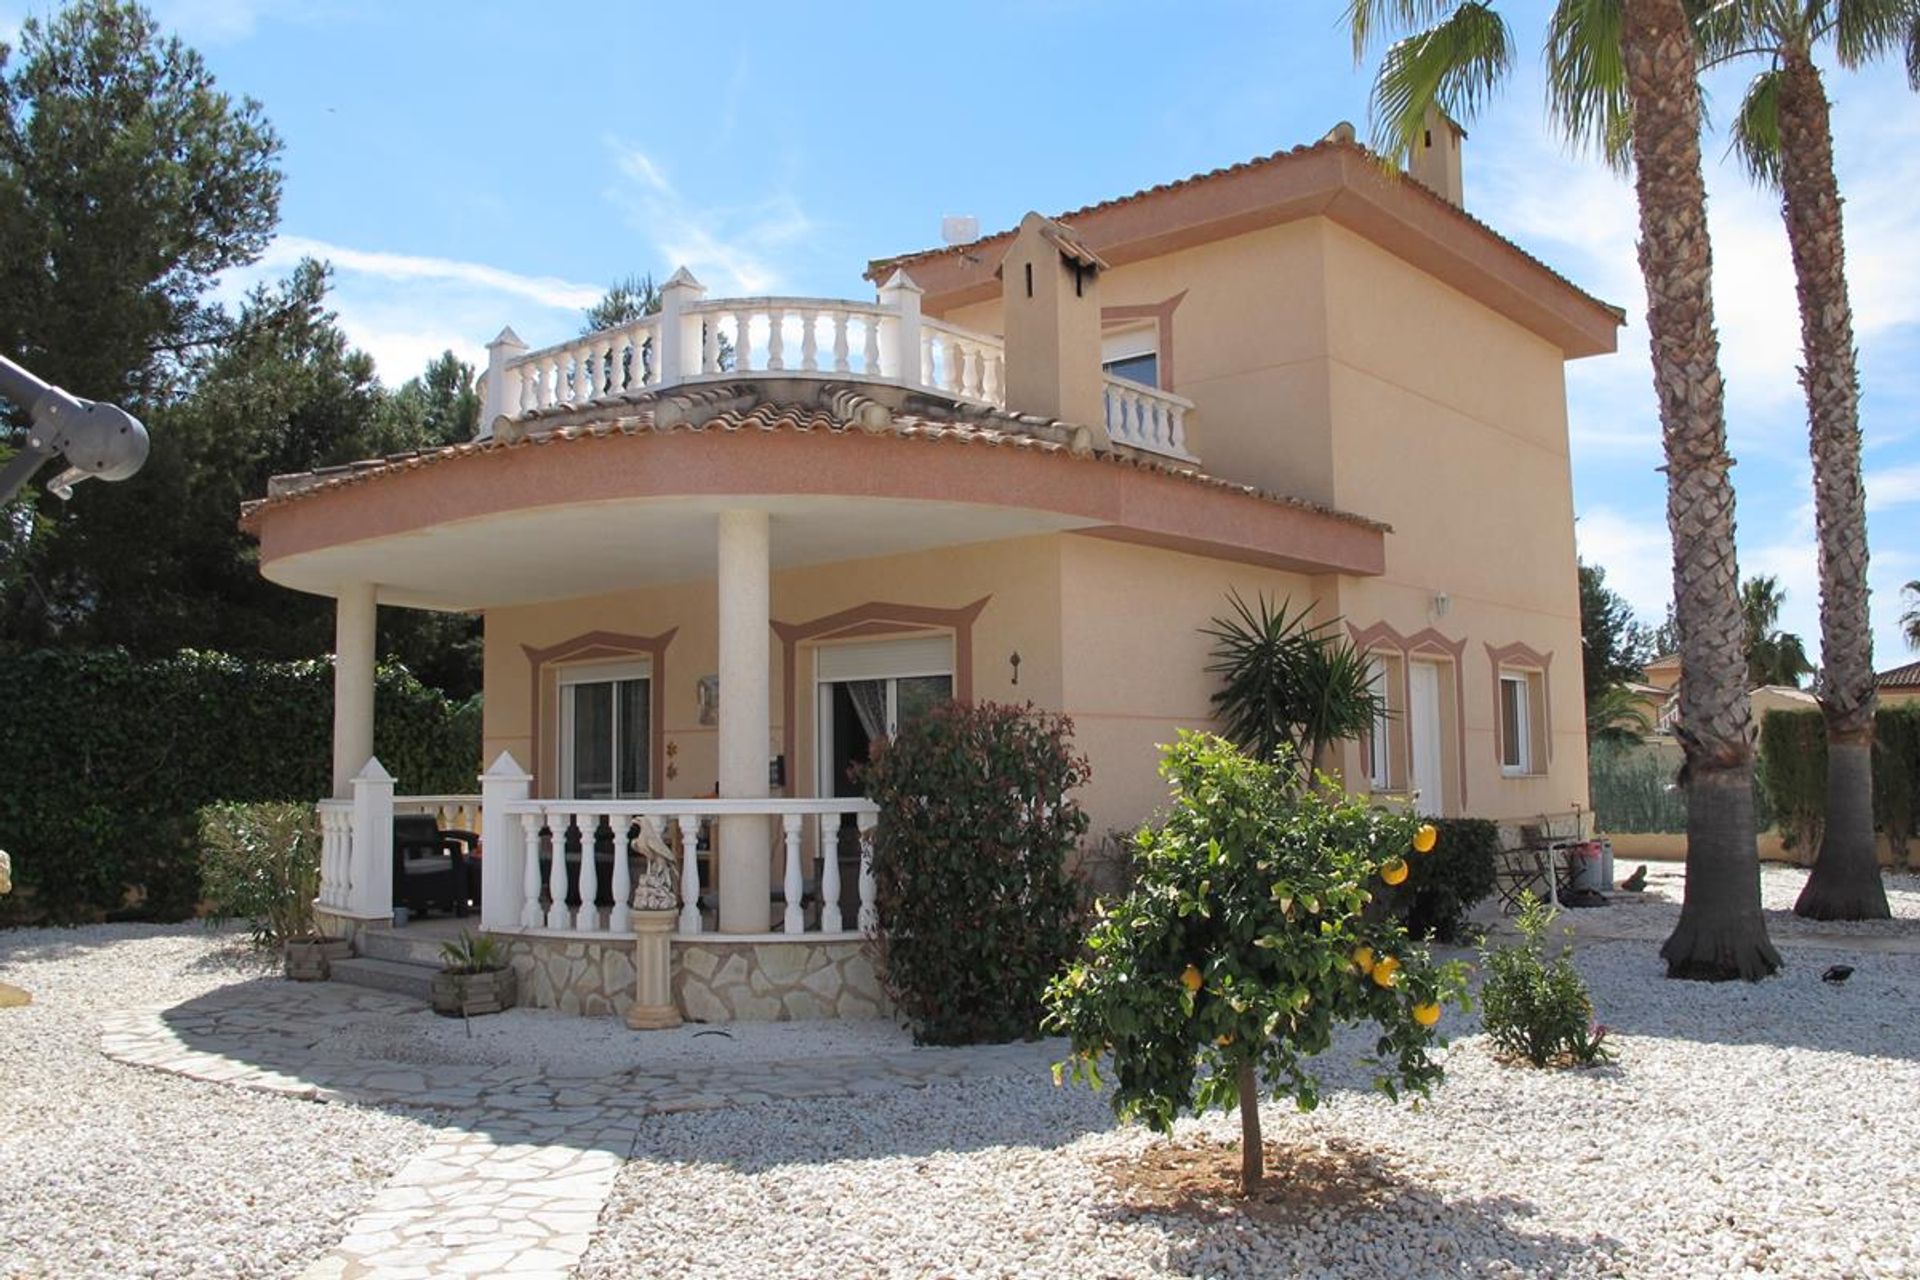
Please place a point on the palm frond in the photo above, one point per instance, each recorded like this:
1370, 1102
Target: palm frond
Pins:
1455, 65
1587, 77
1865, 29
1756, 128
1913, 51
1371, 19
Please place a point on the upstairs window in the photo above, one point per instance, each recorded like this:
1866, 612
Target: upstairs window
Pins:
1132, 354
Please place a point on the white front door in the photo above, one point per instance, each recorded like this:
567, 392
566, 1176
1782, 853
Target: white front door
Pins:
1423, 724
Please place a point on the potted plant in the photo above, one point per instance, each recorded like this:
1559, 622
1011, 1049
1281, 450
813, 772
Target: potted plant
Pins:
261, 862
475, 978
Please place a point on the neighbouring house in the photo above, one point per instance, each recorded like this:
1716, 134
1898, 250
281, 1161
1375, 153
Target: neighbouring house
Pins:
722, 549
1898, 686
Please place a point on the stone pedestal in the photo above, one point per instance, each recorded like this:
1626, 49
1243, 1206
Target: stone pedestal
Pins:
652, 1008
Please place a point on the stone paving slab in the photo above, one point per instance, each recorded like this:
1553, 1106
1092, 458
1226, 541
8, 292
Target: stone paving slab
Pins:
516, 1184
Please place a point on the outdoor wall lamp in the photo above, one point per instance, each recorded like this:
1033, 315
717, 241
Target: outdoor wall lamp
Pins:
1014, 662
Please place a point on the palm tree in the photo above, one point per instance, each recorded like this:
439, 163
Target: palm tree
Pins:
1641, 53
1783, 134
1773, 656
1910, 620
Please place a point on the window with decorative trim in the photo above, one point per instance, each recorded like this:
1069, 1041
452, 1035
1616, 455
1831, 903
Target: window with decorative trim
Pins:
606, 723
1385, 756
1522, 722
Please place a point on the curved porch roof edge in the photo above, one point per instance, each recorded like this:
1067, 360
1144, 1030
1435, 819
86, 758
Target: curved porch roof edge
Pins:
783, 450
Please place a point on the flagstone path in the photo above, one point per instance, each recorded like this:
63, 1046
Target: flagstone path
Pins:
516, 1184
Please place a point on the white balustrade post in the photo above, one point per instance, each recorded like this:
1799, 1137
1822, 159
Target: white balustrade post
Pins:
830, 921
744, 856
503, 846
795, 919
621, 919
530, 917
900, 330
502, 399
558, 916
371, 894
869, 912
679, 333
689, 873
587, 919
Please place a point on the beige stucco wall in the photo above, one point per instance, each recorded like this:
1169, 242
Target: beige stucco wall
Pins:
1324, 367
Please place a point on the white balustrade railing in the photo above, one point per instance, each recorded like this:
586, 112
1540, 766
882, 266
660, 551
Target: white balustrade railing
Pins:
587, 889
336, 852
964, 364
694, 339
450, 813
1147, 418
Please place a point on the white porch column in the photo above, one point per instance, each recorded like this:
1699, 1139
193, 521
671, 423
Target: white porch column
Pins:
353, 648
745, 717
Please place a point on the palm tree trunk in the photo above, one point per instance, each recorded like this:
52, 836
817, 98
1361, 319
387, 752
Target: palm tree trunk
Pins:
1721, 933
1845, 884
1252, 1154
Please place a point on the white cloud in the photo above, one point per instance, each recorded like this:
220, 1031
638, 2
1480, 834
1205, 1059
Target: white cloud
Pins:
731, 248
1635, 553
1893, 487
548, 291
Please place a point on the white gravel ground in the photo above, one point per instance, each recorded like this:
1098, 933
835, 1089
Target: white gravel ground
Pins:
1761, 1130
109, 1170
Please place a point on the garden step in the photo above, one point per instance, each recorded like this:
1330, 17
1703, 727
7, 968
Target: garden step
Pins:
403, 945
387, 975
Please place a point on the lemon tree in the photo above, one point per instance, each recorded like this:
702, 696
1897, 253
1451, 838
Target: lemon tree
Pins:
1249, 937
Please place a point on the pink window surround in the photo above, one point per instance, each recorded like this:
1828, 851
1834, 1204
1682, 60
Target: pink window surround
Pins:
601, 646
874, 618
1425, 643
1161, 313
1520, 657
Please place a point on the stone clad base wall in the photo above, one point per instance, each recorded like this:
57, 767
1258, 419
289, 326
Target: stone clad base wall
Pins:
712, 981
775, 981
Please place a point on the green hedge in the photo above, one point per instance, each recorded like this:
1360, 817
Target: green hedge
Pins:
1632, 789
1793, 770
1444, 885
108, 758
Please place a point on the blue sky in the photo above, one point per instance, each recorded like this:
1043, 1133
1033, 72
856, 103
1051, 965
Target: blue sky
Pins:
470, 165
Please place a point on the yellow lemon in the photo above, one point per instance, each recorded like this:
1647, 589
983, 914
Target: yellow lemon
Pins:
1363, 959
1223, 1041
1190, 979
1425, 838
1395, 871
1386, 972
1426, 1014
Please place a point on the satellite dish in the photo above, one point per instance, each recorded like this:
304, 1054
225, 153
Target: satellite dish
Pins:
957, 229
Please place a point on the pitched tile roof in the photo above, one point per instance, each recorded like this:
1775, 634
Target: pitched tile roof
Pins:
1907, 677
878, 268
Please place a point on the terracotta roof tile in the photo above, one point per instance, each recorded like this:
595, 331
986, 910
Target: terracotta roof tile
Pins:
879, 267
970, 427
1907, 677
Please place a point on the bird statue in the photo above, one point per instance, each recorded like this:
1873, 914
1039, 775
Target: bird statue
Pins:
1838, 974
1637, 881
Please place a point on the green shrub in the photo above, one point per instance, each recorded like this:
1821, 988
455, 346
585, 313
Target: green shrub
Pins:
977, 911
1247, 939
261, 863
1792, 770
109, 759
1443, 886
1535, 1008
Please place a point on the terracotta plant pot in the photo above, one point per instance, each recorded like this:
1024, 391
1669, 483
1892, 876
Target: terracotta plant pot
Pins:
458, 995
312, 959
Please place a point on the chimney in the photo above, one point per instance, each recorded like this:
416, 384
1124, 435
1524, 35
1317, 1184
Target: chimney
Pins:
1050, 296
1436, 156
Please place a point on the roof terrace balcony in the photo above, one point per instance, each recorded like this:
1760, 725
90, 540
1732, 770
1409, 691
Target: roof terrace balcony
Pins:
694, 339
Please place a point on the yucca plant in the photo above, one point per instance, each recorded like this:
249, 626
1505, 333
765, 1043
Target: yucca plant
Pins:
1289, 686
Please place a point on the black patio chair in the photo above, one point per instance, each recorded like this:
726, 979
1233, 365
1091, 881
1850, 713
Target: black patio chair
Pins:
434, 869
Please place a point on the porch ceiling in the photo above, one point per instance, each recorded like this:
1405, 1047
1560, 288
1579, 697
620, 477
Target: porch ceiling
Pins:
553, 553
